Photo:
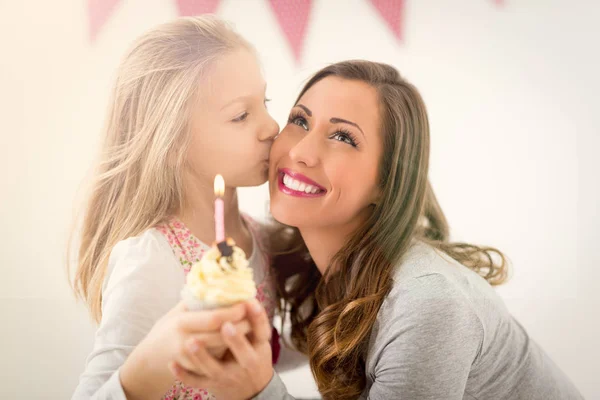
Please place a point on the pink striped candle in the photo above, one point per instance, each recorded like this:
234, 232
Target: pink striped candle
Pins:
219, 209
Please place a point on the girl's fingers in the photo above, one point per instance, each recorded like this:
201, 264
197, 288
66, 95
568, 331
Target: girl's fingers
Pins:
187, 357
259, 322
207, 364
187, 377
214, 339
240, 347
210, 320
180, 307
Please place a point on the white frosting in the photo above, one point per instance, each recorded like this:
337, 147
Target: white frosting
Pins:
218, 281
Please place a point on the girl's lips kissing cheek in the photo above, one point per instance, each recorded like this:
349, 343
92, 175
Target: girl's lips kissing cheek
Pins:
298, 185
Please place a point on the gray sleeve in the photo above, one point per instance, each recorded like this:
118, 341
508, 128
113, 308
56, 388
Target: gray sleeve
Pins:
426, 339
275, 390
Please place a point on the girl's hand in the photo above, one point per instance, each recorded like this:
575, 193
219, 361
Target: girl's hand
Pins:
245, 372
145, 373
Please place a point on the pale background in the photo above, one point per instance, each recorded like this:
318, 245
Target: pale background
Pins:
512, 94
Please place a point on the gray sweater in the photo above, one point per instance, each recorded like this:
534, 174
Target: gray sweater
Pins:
443, 333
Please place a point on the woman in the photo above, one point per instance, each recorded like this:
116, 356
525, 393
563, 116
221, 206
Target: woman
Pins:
384, 305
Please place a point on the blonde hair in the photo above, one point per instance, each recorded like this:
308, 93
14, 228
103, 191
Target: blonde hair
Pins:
138, 180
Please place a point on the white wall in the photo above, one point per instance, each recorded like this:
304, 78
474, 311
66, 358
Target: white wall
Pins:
513, 99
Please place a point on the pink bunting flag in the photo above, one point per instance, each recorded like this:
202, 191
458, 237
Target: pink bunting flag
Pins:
293, 19
99, 11
392, 11
196, 7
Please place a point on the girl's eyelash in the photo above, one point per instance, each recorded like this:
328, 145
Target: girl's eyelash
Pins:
351, 138
241, 117
245, 114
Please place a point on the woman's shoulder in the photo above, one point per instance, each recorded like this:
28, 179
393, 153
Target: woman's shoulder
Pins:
427, 279
427, 297
426, 275
426, 269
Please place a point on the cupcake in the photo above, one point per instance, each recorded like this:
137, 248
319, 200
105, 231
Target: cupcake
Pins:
221, 278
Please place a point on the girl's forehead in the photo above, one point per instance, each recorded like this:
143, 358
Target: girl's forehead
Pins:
233, 75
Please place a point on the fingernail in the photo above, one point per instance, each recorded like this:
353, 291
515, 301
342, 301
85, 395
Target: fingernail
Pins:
229, 329
255, 307
193, 346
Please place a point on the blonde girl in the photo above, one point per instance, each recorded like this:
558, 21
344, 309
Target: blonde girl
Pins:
188, 103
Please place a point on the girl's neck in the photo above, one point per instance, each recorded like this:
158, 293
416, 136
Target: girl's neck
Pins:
199, 211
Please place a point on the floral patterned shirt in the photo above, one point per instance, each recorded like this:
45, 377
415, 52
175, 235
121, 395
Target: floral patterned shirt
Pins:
189, 250
144, 278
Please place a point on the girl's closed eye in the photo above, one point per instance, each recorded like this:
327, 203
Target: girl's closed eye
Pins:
241, 117
345, 136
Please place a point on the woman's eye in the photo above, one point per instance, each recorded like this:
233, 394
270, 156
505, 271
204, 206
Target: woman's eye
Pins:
300, 121
345, 138
241, 117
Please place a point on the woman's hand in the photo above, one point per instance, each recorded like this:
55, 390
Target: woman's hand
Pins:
244, 372
146, 374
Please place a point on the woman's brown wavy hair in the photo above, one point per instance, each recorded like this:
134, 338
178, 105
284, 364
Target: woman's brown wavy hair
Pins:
332, 315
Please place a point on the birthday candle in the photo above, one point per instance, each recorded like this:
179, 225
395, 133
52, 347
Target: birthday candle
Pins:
219, 209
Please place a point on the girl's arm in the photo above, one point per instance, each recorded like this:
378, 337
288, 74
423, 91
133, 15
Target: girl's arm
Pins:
141, 286
143, 327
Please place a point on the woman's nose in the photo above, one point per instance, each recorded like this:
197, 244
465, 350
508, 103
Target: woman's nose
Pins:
306, 151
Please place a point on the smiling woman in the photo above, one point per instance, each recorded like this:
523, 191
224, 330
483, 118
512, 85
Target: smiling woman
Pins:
321, 147
379, 298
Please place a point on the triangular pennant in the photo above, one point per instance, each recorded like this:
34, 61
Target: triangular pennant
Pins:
293, 18
99, 11
196, 7
499, 3
392, 12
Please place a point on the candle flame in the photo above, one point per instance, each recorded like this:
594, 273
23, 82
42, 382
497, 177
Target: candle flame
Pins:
219, 186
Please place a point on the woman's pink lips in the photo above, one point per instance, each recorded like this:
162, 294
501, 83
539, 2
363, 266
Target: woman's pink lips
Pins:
286, 190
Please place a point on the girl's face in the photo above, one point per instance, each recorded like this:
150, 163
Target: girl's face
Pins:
324, 164
232, 131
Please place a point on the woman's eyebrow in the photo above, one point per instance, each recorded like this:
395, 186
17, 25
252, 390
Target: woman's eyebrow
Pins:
306, 109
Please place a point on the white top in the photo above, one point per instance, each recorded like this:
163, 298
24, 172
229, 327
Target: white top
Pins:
143, 282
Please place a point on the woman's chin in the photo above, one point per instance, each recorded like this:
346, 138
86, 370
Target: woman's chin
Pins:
285, 215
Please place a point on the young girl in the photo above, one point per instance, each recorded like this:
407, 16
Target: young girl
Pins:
189, 102
383, 303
